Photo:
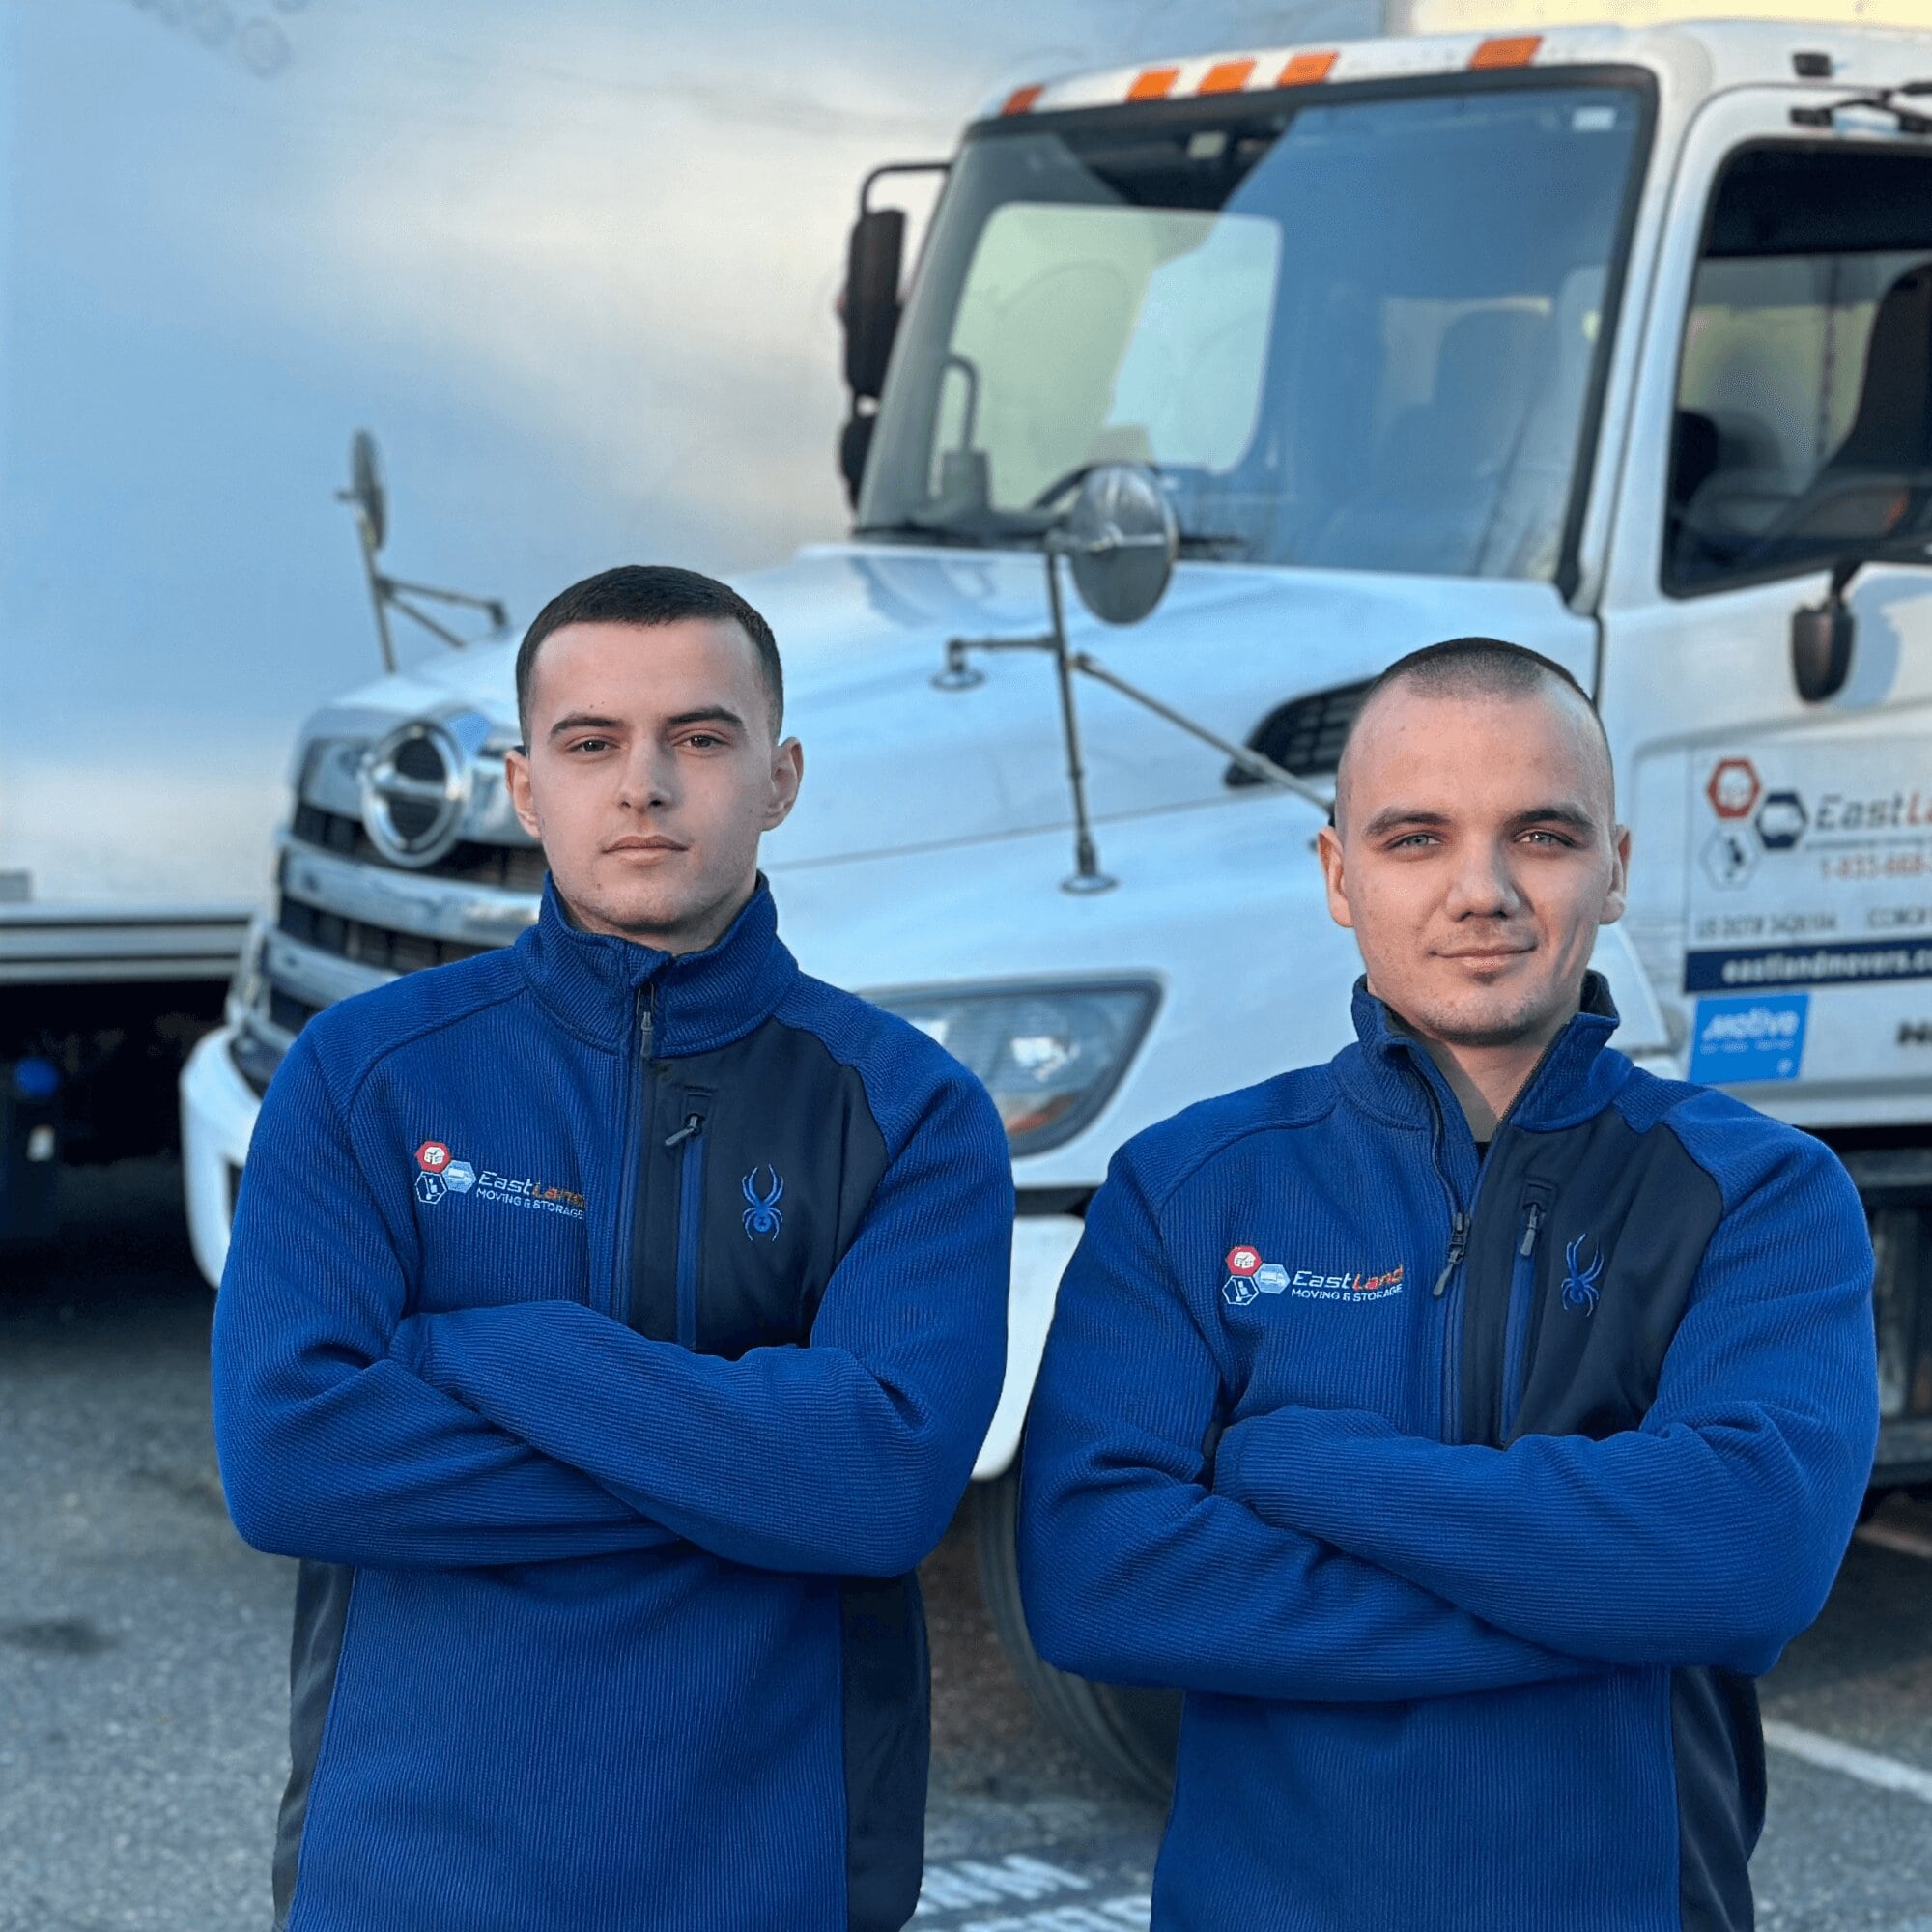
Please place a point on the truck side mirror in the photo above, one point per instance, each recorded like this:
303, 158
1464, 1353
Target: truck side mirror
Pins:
872, 266
1821, 649
871, 310
365, 489
1821, 639
1120, 540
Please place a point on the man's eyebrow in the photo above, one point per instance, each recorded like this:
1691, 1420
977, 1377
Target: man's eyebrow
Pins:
587, 721
579, 720
1392, 816
1564, 812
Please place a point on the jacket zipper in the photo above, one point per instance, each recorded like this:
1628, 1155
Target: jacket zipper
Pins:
623, 1245
1521, 1307
1459, 1246
690, 1138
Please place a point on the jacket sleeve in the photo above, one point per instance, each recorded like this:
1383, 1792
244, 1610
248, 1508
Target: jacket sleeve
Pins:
1711, 1534
329, 1449
847, 1456
1134, 1571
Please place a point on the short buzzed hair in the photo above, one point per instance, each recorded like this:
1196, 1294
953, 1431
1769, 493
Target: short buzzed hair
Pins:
650, 594
1473, 667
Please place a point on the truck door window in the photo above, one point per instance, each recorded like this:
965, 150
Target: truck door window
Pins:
1804, 410
1353, 332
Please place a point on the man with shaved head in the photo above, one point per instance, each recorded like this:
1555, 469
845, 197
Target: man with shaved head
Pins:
1463, 1425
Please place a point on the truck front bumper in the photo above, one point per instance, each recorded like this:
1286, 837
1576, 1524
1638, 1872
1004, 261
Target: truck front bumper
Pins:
218, 1116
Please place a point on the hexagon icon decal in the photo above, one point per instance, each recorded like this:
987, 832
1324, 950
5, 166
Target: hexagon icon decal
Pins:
1729, 857
1781, 820
1733, 787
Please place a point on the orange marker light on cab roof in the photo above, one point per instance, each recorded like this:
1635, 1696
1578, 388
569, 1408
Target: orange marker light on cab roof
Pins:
1507, 50
1304, 69
1227, 76
1021, 99
1153, 83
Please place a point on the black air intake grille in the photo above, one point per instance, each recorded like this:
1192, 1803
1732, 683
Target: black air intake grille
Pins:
519, 867
1305, 735
369, 944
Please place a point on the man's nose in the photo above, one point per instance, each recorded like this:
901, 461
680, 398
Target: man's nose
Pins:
1483, 886
649, 781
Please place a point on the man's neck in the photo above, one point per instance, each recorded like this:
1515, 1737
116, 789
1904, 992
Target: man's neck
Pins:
692, 936
1486, 1080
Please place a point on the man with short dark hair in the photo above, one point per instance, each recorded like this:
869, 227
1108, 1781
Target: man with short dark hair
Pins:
1465, 1424
610, 1323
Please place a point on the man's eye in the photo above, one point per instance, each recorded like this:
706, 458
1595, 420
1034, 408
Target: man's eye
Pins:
1412, 841
702, 741
1556, 839
591, 745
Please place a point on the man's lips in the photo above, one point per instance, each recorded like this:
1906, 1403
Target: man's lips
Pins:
655, 843
1488, 954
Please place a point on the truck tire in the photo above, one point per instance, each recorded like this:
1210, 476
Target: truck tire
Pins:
1130, 1734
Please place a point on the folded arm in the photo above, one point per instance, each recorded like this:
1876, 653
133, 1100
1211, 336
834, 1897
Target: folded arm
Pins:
1709, 1535
847, 1456
328, 1448
1133, 1569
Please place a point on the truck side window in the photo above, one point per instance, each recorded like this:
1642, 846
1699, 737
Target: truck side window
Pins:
1804, 419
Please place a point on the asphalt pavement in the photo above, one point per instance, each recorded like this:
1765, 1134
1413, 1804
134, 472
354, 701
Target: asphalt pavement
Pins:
144, 1658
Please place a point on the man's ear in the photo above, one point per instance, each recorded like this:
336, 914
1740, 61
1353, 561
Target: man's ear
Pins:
1329, 848
1618, 894
788, 774
517, 776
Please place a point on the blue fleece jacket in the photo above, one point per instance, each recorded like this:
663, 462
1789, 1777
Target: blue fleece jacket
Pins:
1463, 1497
610, 1334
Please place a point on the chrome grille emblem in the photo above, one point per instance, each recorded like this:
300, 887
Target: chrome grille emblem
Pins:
416, 785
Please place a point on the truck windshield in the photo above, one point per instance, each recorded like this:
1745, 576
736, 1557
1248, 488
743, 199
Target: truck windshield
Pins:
1359, 334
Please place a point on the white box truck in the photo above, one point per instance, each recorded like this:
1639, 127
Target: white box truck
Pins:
1615, 341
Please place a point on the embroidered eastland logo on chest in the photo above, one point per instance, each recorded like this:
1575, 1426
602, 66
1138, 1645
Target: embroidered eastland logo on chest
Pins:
440, 1174
1249, 1277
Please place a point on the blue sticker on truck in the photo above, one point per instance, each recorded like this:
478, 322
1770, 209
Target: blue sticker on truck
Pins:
1749, 1037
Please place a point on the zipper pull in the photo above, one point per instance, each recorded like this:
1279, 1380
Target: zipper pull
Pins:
1532, 1220
693, 1124
644, 1022
1459, 1240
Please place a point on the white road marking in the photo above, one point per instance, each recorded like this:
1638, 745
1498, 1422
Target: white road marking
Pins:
1894, 1536
1814, 1748
1128, 1914
1013, 1884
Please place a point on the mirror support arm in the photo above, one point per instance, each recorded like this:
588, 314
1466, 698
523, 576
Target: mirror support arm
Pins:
959, 674
378, 595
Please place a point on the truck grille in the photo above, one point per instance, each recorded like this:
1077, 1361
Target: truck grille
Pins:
1305, 736
368, 945
518, 868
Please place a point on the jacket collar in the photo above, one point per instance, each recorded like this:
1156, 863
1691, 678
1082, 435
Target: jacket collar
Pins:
593, 981
1390, 1075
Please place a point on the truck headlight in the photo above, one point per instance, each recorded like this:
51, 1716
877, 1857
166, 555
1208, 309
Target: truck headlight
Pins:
1049, 1054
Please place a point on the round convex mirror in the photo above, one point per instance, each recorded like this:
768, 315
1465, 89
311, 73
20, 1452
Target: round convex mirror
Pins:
1121, 539
365, 487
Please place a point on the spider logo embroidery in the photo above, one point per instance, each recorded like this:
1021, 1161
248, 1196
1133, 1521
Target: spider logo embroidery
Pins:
762, 1216
1580, 1285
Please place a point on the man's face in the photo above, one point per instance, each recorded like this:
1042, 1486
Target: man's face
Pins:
1475, 856
651, 774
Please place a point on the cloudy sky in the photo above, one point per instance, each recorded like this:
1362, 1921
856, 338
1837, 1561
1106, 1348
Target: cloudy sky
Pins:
574, 262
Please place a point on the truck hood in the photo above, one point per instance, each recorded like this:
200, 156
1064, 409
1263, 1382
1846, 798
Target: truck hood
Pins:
895, 764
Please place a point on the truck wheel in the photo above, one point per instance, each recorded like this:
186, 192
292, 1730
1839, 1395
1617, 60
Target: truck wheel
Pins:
1131, 1735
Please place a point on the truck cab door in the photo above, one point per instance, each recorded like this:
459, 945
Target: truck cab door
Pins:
1781, 869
